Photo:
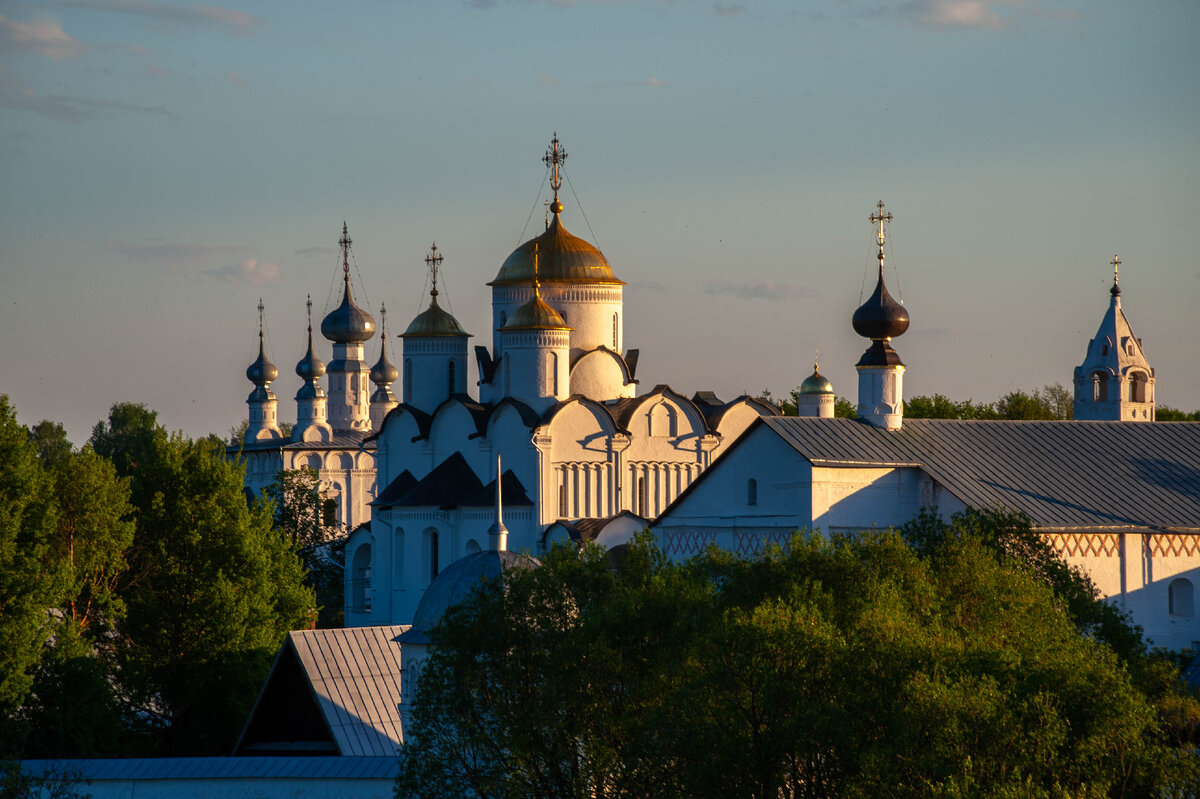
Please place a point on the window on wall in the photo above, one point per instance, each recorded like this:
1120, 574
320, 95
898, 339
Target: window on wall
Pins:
615, 327
1099, 387
408, 379
1179, 598
641, 497
450, 378
751, 491
433, 554
1137, 387
507, 377
503, 318
552, 365
562, 495
360, 581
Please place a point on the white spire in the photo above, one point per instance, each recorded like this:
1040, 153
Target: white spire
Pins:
498, 533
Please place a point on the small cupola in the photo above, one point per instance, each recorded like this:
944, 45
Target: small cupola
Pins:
347, 323
880, 370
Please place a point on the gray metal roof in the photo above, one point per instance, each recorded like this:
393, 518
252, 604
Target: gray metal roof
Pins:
1094, 475
355, 675
217, 768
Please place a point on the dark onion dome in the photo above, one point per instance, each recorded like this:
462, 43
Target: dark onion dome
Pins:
434, 321
816, 383
562, 258
348, 323
880, 317
310, 366
262, 371
383, 373
455, 584
536, 315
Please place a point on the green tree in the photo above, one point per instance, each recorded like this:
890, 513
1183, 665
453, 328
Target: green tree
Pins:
850, 666
1165, 413
214, 588
32, 582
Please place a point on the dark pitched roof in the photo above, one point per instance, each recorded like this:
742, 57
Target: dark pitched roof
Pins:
1063, 475
514, 494
450, 482
403, 483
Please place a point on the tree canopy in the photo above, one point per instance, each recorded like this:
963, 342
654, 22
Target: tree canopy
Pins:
840, 666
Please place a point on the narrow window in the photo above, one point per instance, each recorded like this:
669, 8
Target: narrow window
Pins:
450, 378
360, 581
408, 379
503, 318
751, 491
552, 365
507, 377
1179, 597
1099, 387
562, 495
615, 333
433, 554
641, 497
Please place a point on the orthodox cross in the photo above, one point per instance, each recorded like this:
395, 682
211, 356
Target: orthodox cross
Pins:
882, 219
1116, 263
383, 323
261, 308
344, 242
554, 158
308, 304
433, 261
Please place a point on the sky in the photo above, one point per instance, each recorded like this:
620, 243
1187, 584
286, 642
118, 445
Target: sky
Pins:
163, 165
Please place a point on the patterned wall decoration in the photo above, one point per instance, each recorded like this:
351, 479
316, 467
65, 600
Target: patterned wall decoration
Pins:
1093, 545
1173, 545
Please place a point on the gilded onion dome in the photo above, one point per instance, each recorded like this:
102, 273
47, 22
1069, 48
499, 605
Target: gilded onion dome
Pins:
383, 373
563, 258
536, 314
347, 323
816, 383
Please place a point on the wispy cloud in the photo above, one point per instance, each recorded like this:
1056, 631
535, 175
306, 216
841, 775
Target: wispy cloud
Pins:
228, 20
158, 72
44, 37
313, 252
722, 10
235, 79
546, 80
760, 291
250, 272
991, 15
646, 285
67, 108
172, 255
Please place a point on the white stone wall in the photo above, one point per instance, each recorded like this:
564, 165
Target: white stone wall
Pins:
349, 388
425, 370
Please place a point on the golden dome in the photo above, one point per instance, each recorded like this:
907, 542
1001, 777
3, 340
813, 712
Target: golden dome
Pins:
536, 315
562, 258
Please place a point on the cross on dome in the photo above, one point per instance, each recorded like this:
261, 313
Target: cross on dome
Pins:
308, 305
261, 308
433, 261
344, 242
554, 158
881, 219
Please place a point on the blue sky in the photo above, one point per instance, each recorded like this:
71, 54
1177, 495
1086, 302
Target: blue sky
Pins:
164, 164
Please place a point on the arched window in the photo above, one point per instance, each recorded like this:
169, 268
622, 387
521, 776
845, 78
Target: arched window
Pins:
408, 379
1179, 598
360, 580
1137, 387
1099, 386
503, 318
751, 491
615, 326
507, 377
398, 576
450, 378
472, 546
552, 365
641, 497
562, 494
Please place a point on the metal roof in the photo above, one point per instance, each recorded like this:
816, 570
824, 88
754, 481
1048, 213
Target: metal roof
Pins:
353, 674
218, 768
1063, 475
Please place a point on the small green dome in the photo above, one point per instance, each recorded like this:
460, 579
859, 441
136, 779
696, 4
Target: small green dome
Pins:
816, 383
434, 321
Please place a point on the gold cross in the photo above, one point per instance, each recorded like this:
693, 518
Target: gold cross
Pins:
882, 219
554, 158
433, 261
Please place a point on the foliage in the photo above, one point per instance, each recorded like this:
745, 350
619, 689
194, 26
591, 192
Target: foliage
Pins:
214, 591
301, 508
32, 581
1165, 413
787, 406
849, 666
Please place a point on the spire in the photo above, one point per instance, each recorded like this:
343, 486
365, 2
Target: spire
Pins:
344, 242
347, 324
262, 371
880, 318
554, 158
310, 367
882, 220
1116, 288
383, 373
498, 533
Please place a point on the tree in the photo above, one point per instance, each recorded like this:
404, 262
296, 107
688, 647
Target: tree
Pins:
32, 582
847, 666
304, 516
214, 588
1165, 413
